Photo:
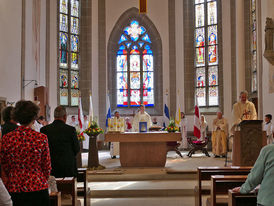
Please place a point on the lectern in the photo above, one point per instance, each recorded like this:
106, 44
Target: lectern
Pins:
248, 142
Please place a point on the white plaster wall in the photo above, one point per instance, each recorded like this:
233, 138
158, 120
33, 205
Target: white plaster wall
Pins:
267, 10
157, 11
10, 49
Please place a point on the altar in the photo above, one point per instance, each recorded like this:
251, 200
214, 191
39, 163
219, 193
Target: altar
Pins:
143, 149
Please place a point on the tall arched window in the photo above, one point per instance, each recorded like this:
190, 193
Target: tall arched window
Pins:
134, 67
206, 61
253, 45
68, 58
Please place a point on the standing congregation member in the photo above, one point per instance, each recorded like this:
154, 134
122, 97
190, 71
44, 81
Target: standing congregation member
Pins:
268, 128
204, 128
10, 124
219, 135
25, 159
244, 109
63, 144
261, 173
141, 116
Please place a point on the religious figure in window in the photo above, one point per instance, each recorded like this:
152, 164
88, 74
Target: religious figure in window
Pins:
212, 54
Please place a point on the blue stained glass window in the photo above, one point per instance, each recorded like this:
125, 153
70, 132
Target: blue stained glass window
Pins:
134, 67
146, 38
141, 44
122, 39
206, 55
69, 53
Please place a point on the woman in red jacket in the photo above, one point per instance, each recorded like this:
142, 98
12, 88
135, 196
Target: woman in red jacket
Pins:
25, 159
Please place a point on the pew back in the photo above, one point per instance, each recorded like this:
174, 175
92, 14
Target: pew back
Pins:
220, 184
204, 174
238, 199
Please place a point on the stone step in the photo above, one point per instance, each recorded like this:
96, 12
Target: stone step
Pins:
141, 189
139, 174
145, 201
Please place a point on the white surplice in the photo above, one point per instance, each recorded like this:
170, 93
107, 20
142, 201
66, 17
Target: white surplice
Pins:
145, 117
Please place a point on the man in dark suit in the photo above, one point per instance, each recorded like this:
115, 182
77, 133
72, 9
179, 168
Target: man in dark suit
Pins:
63, 145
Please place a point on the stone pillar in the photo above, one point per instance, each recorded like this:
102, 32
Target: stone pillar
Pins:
240, 47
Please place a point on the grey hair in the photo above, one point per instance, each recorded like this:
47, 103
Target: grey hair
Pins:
244, 92
60, 112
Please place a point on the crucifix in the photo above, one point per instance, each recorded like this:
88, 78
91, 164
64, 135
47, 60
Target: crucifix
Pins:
142, 6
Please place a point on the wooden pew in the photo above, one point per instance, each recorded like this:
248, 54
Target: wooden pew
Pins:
55, 198
204, 174
82, 177
238, 199
220, 184
68, 185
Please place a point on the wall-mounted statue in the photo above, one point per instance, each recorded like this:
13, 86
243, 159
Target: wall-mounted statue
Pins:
269, 36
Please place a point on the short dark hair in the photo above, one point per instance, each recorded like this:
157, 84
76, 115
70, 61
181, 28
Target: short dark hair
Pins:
269, 116
60, 112
25, 112
7, 113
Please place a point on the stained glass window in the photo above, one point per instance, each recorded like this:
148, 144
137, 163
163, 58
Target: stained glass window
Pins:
253, 28
68, 57
206, 52
134, 67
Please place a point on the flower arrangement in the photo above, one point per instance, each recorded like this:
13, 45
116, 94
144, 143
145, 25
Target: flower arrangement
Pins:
80, 135
172, 127
93, 129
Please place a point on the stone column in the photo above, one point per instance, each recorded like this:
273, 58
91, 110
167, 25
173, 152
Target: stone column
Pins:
240, 46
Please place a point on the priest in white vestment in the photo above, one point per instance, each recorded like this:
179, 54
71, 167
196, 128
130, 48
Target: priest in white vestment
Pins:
219, 135
243, 110
118, 125
141, 116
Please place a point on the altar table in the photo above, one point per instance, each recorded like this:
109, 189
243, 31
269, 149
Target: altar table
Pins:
143, 149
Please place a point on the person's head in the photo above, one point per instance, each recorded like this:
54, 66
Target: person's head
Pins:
60, 113
142, 108
219, 115
73, 119
127, 119
268, 118
182, 115
243, 96
7, 114
41, 120
155, 119
202, 118
85, 117
25, 112
117, 114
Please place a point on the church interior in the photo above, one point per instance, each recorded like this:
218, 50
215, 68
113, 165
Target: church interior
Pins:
121, 54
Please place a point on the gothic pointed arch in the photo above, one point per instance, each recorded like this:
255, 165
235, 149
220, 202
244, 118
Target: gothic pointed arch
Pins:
134, 55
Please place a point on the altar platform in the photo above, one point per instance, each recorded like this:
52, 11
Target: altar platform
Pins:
146, 186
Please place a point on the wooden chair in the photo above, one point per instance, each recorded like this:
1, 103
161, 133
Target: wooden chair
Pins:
204, 174
220, 184
83, 191
238, 199
174, 146
197, 145
55, 199
68, 185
